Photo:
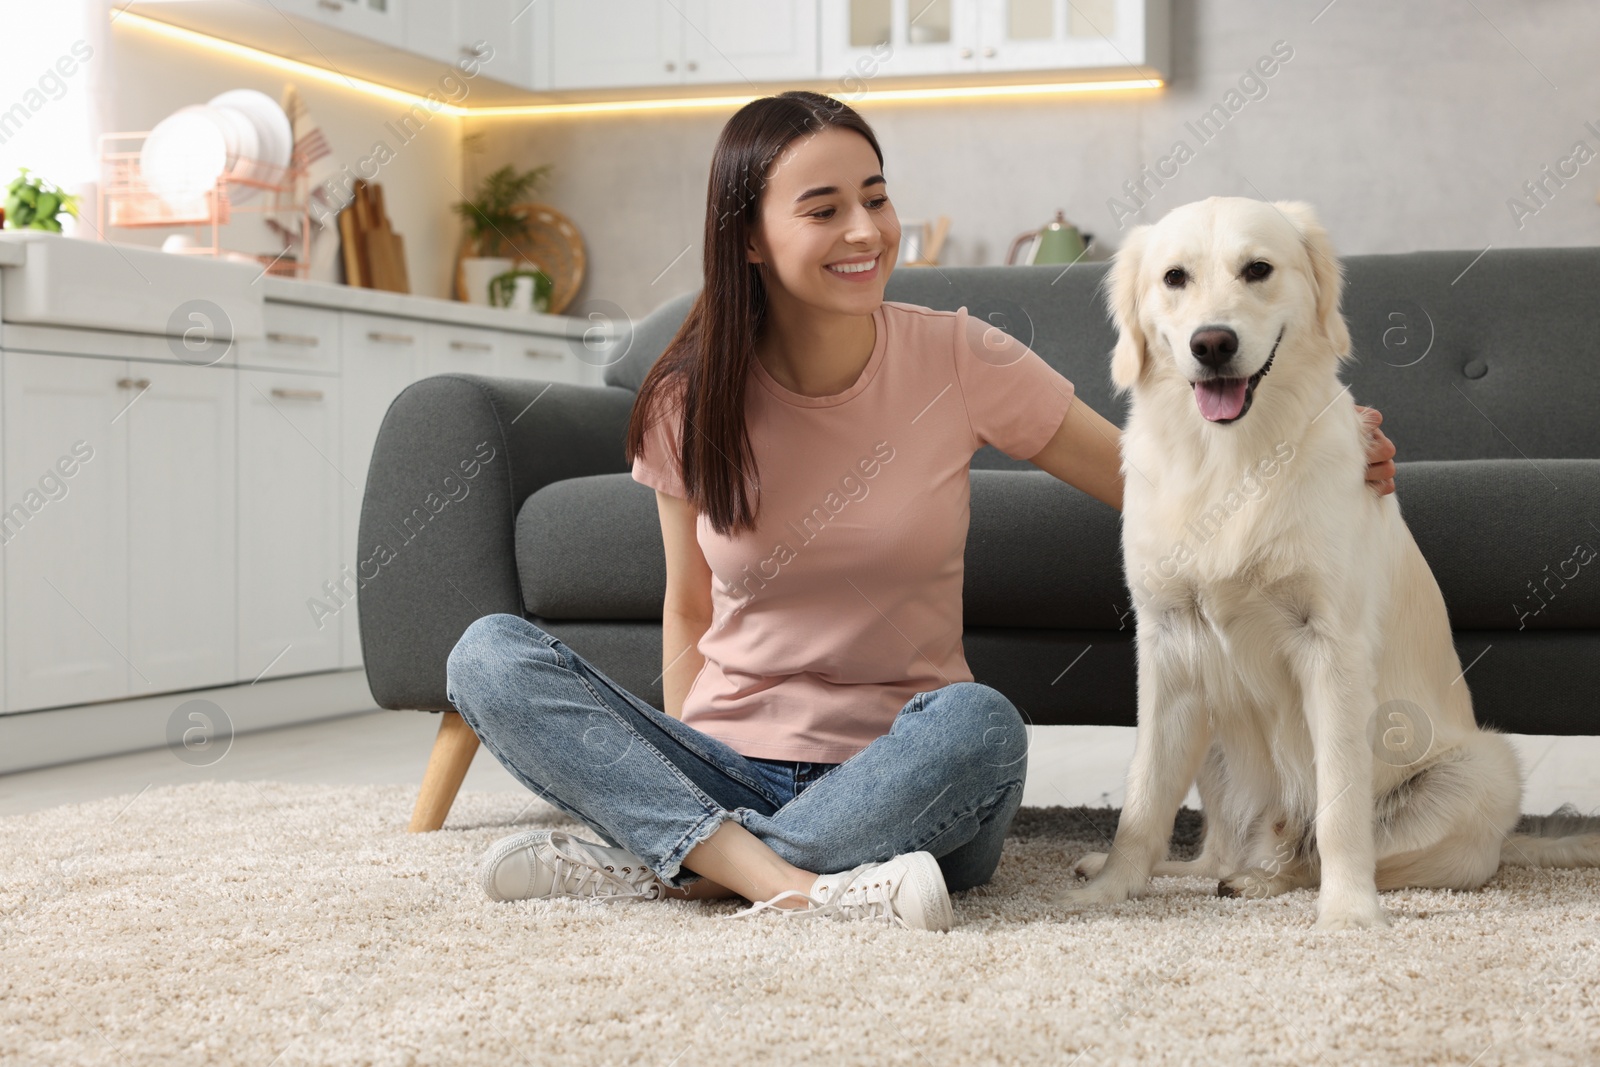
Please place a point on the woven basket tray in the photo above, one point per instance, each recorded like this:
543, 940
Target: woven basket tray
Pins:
554, 245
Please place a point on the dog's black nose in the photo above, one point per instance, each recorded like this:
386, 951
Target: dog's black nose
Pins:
1214, 345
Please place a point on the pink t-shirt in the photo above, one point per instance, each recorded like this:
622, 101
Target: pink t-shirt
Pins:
846, 600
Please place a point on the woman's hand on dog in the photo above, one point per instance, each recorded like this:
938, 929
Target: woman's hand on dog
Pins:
1380, 452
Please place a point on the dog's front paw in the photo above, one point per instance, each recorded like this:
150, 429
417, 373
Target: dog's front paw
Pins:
1088, 896
1089, 865
1255, 883
1363, 916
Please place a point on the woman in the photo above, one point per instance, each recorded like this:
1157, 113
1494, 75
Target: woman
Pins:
824, 749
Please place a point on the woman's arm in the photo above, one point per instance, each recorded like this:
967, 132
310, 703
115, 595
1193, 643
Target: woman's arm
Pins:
1086, 453
681, 659
686, 611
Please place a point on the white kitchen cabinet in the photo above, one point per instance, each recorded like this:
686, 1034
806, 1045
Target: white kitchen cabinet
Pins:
377, 20
1052, 34
506, 26
123, 584
66, 549
181, 533
321, 32
6, 504
381, 357
462, 30
171, 527
734, 41
618, 43
581, 49
291, 594
862, 40
610, 43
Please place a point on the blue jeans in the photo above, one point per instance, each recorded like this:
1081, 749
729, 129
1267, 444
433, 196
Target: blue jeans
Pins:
946, 778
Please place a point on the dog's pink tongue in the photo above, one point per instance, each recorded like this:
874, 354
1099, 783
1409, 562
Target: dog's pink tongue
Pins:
1220, 398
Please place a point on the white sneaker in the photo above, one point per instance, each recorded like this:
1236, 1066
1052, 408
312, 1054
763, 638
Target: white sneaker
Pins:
908, 890
550, 863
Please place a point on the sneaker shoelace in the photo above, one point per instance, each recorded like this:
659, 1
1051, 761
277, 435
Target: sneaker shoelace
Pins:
576, 878
872, 901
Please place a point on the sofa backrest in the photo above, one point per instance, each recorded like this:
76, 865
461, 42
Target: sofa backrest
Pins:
1498, 358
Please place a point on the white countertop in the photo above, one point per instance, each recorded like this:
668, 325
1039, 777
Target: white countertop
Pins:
52, 279
407, 305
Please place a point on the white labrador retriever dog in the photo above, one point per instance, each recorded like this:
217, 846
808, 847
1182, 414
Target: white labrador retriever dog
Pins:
1293, 646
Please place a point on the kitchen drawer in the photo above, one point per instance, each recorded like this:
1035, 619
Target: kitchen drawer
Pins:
68, 341
467, 349
298, 338
545, 358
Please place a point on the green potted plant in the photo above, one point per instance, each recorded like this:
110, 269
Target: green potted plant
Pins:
35, 204
496, 225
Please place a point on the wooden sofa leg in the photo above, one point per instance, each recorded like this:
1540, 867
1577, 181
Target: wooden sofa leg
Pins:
453, 750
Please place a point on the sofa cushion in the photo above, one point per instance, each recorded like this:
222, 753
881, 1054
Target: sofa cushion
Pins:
591, 548
1512, 543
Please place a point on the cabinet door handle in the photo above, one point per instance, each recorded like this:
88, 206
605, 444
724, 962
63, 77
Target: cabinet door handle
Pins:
304, 340
133, 383
330, 5
390, 338
472, 346
534, 353
297, 394
692, 65
474, 50
671, 65
989, 51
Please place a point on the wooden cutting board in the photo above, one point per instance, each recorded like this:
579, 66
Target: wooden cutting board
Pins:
386, 252
374, 255
352, 244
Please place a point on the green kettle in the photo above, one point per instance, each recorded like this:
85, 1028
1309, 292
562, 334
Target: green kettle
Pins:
1058, 242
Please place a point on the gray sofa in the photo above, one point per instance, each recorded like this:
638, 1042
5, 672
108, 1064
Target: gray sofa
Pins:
1487, 381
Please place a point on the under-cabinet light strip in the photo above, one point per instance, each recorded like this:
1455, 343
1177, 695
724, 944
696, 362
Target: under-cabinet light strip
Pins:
333, 77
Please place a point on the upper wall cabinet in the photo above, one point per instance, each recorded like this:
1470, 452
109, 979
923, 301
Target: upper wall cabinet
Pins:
420, 46
496, 33
297, 29
552, 51
867, 39
611, 43
1083, 34
738, 42
607, 44
376, 20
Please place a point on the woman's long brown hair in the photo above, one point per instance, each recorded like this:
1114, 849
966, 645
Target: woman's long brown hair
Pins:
707, 363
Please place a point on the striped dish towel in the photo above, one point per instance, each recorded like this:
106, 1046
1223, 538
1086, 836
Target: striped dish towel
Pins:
312, 152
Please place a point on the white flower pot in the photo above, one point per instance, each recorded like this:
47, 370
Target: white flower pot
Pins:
476, 272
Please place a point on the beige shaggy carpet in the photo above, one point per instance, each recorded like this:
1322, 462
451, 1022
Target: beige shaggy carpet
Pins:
271, 925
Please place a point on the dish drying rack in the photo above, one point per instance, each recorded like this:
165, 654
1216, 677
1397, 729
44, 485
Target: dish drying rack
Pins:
125, 201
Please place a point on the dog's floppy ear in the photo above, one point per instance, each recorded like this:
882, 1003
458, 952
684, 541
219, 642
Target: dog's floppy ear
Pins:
1326, 273
1122, 299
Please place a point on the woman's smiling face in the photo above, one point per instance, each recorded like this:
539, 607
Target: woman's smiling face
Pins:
825, 207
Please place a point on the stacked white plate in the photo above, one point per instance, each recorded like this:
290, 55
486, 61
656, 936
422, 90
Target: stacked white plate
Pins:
241, 133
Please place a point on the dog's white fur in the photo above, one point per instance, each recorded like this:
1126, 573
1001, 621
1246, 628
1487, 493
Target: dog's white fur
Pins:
1269, 652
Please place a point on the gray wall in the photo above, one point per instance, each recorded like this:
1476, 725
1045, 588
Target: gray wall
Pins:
1409, 124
